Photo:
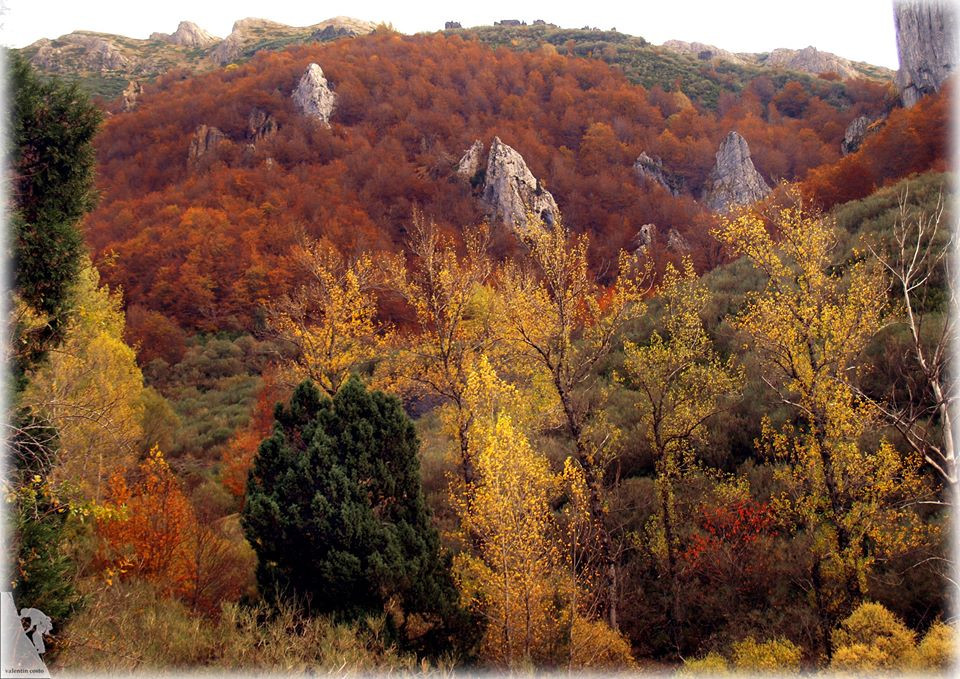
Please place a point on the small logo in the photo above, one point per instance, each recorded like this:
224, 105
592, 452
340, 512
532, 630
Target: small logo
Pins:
38, 624
22, 639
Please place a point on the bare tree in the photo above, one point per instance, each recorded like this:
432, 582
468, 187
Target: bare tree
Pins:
923, 410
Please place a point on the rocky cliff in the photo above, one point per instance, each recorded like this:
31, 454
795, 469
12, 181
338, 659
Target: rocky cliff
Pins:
471, 161
810, 60
188, 34
510, 189
650, 169
203, 146
314, 97
926, 46
806, 60
734, 180
105, 64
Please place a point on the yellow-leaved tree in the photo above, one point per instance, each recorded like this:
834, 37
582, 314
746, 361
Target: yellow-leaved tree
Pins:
331, 320
682, 383
524, 577
91, 390
448, 295
850, 499
561, 324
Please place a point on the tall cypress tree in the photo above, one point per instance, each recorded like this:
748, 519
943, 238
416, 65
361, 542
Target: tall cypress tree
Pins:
336, 513
52, 126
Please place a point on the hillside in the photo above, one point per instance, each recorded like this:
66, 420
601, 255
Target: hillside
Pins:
104, 64
407, 109
701, 76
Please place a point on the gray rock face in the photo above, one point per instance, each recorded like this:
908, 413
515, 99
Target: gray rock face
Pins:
645, 238
471, 161
853, 137
734, 180
131, 95
649, 168
203, 144
926, 46
810, 60
313, 95
260, 124
90, 51
511, 190
677, 243
187, 34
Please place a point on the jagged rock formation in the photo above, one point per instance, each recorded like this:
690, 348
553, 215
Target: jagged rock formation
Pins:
926, 46
854, 135
644, 238
471, 161
806, 60
313, 96
677, 243
260, 124
810, 60
510, 189
649, 168
451, 25
187, 34
131, 95
80, 50
248, 33
734, 180
204, 142
703, 51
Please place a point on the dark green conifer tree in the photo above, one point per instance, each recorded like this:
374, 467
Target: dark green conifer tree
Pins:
336, 513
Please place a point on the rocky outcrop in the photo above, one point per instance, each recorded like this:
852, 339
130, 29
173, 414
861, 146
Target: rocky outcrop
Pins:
511, 190
188, 34
650, 169
645, 238
260, 125
203, 145
314, 97
810, 60
926, 46
734, 180
452, 25
131, 95
248, 35
853, 137
81, 51
703, 51
677, 243
471, 162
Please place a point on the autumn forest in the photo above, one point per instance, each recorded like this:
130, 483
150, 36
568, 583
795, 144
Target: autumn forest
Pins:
434, 353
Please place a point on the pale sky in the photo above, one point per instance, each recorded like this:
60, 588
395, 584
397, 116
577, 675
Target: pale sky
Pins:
856, 29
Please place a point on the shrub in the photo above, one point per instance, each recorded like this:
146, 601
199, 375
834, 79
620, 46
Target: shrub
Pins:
872, 638
712, 663
936, 651
767, 656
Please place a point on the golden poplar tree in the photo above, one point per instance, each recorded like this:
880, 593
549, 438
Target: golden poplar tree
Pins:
561, 324
512, 580
682, 382
331, 320
92, 391
809, 326
447, 293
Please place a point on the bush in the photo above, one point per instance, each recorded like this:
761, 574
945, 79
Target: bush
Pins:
775, 655
712, 663
597, 646
936, 651
872, 638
